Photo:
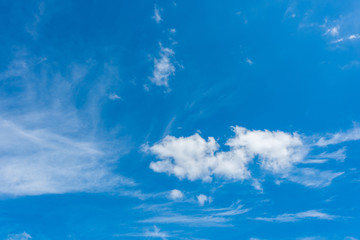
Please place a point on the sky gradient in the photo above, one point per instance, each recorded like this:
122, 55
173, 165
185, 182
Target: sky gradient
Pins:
179, 120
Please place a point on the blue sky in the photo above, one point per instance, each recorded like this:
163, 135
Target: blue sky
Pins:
179, 120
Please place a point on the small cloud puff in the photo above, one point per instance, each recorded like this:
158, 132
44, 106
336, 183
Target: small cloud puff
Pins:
202, 199
249, 61
175, 195
163, 67
114, 96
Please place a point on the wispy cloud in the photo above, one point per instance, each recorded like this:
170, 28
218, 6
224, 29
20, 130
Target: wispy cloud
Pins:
293, 217
314, 178
46, 144
157, 16
208, 217
114, 96
20, 236
37, 161
32, 28
190, 220
249, 61
339, 137
148, 233
233, 210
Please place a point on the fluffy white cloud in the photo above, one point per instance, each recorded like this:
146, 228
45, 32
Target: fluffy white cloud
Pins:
175, 195
163, 67
191, 157
277, 152
293, 217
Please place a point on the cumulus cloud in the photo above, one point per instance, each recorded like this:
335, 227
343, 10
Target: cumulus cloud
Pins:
163, 67
202, 199
175, 194
293, 217
276, 152
192, 156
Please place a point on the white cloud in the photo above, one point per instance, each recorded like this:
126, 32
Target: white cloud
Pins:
163, 67
278, 153
47, 144
350, 238
192, 156
20, 236
293, 217
198, 221
233, 210
114, 96
332, 139
347, 38
37, 161
175, 194
333, 31
311, 238
32, 28
338, 155
157, 16
352, 64
249, 61
202, 199
354, 36
155, 233
312, 177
